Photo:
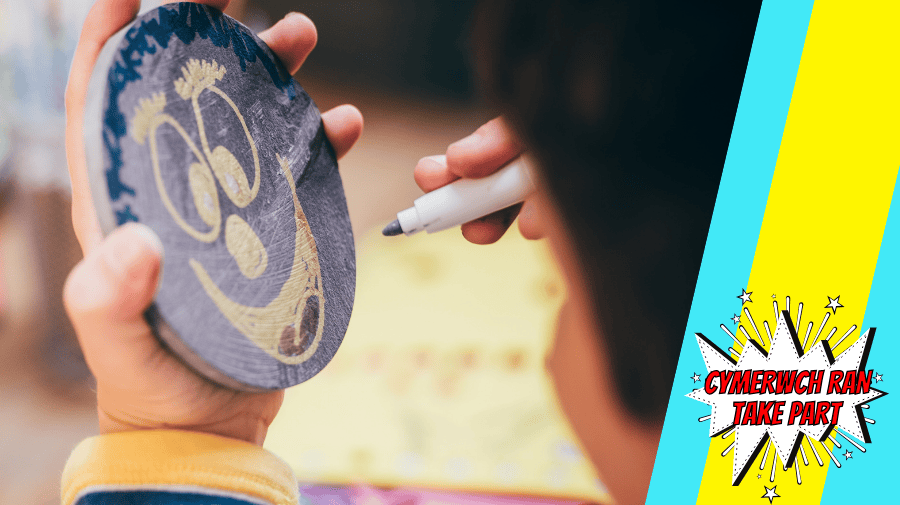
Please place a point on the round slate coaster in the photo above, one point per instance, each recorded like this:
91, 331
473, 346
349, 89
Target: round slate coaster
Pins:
194, 128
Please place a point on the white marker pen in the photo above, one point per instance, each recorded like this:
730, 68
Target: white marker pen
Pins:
464, 200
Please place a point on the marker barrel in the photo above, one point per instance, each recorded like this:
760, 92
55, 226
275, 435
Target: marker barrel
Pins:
468, 199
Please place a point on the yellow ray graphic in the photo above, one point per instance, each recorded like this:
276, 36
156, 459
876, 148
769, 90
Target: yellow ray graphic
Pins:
825, 215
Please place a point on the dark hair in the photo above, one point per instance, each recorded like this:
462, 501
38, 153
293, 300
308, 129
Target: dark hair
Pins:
628, 107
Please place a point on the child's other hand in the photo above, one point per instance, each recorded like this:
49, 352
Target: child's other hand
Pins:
478, 155
140, 385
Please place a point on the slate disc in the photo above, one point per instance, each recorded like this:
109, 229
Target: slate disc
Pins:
194, 128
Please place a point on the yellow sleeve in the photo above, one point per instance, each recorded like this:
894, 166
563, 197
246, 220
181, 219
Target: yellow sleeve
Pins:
166, 463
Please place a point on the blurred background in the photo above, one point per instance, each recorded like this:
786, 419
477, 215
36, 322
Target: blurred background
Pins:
406, 66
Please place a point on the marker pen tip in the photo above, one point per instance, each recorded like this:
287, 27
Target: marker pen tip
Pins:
392, 229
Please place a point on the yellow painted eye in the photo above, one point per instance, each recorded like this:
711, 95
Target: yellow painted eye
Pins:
246, 248
205, 197
231, 176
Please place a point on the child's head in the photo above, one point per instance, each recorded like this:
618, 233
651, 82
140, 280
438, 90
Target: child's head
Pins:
628, 107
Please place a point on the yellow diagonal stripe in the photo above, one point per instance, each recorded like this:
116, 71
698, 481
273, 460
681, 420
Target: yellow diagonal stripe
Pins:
827, 206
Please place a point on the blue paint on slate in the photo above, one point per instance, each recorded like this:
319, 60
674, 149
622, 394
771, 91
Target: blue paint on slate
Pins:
186, 21
867, 476
125, 215
733, 234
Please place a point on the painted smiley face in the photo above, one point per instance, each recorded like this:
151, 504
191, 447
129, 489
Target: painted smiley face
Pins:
287, 328
207, 139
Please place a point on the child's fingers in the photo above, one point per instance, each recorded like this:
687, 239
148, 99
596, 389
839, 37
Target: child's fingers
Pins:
530, 220
105, 18
343, 126
107, 293
490, 228
292, 39
483, 152
431, 173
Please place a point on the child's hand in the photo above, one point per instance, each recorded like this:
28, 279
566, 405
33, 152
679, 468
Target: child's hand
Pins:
140, 385
479, 155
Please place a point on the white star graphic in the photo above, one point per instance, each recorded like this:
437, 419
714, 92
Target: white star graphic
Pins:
848, 454
878, 377
785, 353
745, 296
770, 493
696, 377
773, 295
834, 304
736, 319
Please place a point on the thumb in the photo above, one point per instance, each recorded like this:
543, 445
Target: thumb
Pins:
107, 293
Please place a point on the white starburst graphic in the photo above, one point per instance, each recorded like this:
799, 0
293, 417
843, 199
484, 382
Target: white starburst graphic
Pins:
795, 392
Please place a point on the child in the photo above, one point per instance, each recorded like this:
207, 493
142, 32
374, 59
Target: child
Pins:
626, 105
